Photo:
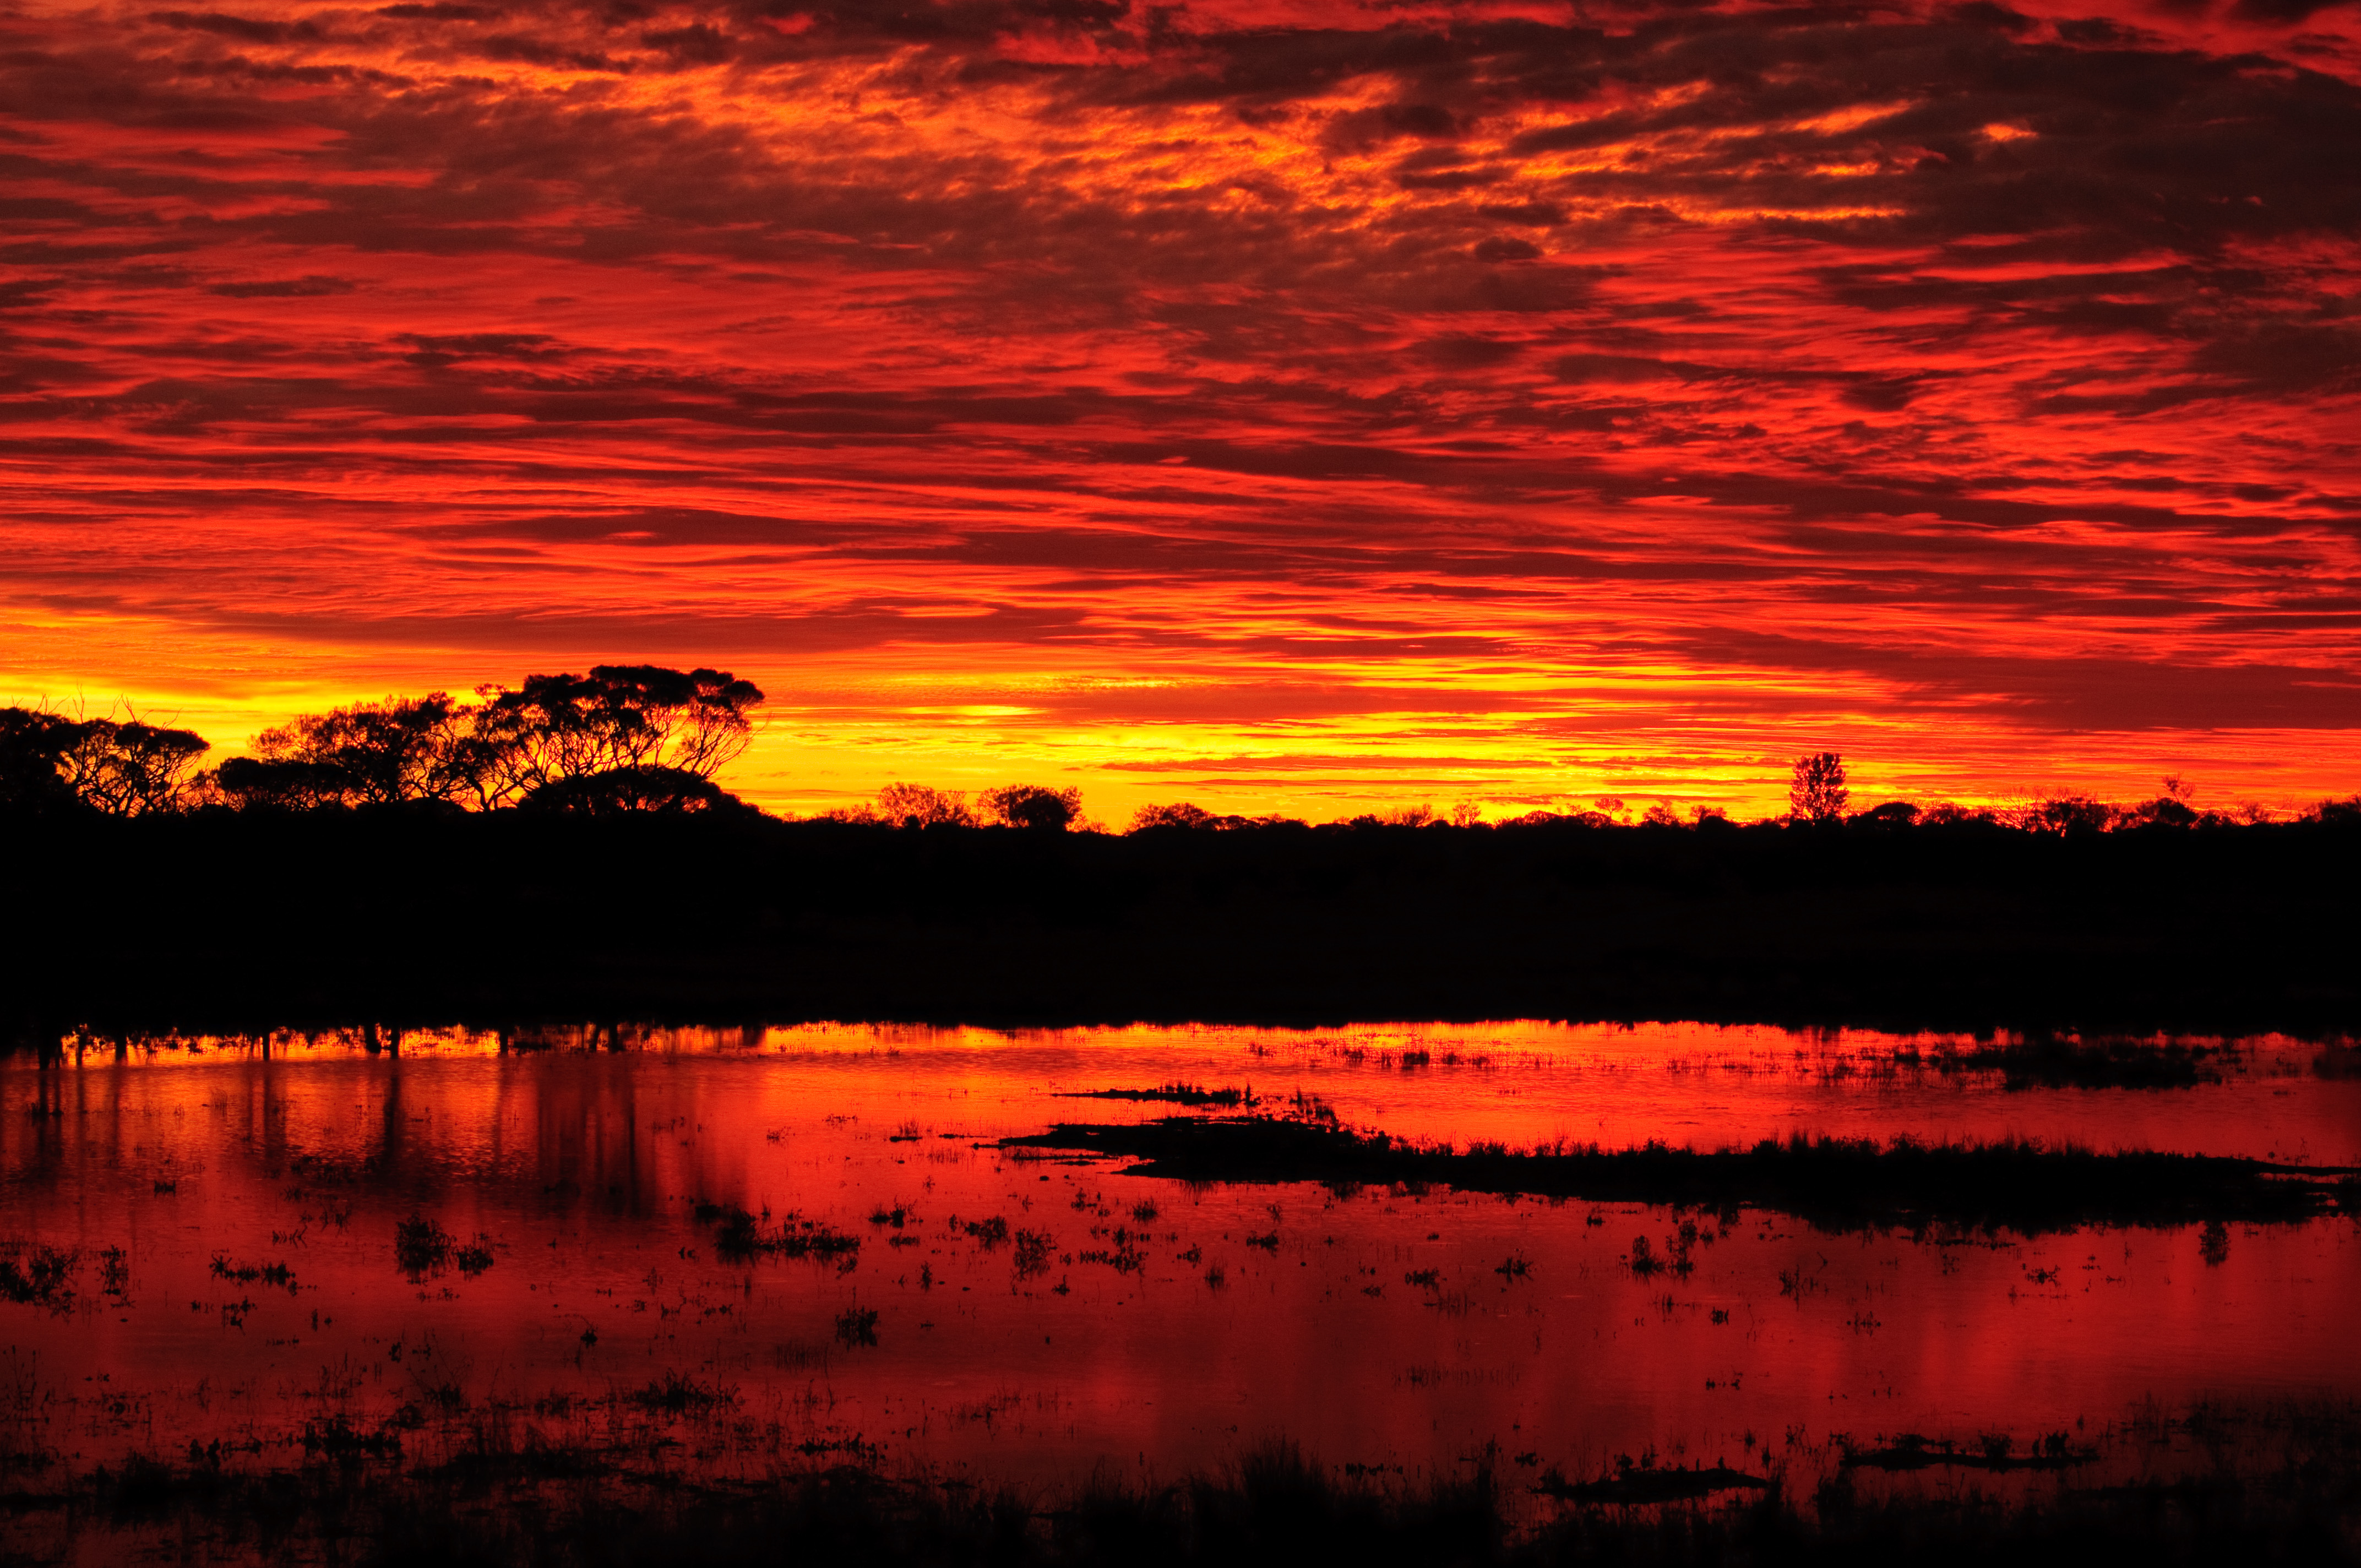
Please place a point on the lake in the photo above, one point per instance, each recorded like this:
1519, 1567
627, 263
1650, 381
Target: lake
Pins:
284, 1245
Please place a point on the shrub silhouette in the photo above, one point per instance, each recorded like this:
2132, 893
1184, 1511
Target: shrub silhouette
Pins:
1031, 806
622, 791
2164, 811
1179, 815
918, 805
2065, 814
260, 784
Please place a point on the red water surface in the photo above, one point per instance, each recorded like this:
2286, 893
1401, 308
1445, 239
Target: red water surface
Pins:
1158, 1335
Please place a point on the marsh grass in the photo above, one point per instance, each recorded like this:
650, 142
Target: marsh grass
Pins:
1834, 1184
1171, 1093
739, 1235
420, 1246
33, 1273
2249, 1486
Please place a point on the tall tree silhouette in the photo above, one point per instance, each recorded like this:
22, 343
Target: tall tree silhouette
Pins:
618, 716
1817, 792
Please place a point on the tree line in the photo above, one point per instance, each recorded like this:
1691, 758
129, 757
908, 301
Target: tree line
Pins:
643, 737
622, 737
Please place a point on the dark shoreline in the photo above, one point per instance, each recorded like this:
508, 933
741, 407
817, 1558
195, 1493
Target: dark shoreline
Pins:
222, 922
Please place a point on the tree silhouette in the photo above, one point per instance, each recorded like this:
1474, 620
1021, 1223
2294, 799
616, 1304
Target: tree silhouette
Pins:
2069, 814
126, 768
400, 749
2165, 811
32, 761
917, 805
617, 717
2344, 813
1179, 815
1031, 806
642, 721
1817, 792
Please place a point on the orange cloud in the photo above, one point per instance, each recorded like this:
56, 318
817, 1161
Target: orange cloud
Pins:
1297, 407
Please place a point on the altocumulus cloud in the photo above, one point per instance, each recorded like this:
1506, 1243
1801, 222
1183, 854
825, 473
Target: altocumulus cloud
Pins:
1649, 382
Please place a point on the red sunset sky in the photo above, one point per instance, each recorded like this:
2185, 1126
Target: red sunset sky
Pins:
1278, 405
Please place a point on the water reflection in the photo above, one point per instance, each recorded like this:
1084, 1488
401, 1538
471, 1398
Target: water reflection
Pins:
1024, 1317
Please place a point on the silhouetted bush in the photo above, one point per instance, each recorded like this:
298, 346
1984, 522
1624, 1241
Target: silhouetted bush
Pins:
918, 805
1031, 806
260, 784
2345, 812
2068, 815
622, 791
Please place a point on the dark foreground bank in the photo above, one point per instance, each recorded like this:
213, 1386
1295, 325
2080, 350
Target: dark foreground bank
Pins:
219, 920
2291, 1498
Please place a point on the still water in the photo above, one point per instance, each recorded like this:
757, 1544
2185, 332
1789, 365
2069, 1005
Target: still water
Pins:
232, 1215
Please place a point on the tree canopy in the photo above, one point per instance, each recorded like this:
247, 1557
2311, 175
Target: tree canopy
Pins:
649, 726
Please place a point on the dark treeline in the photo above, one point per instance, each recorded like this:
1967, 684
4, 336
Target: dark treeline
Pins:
216, 920
644, 739
561, 851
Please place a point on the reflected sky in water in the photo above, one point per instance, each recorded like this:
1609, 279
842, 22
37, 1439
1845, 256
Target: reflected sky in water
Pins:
253, 1190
